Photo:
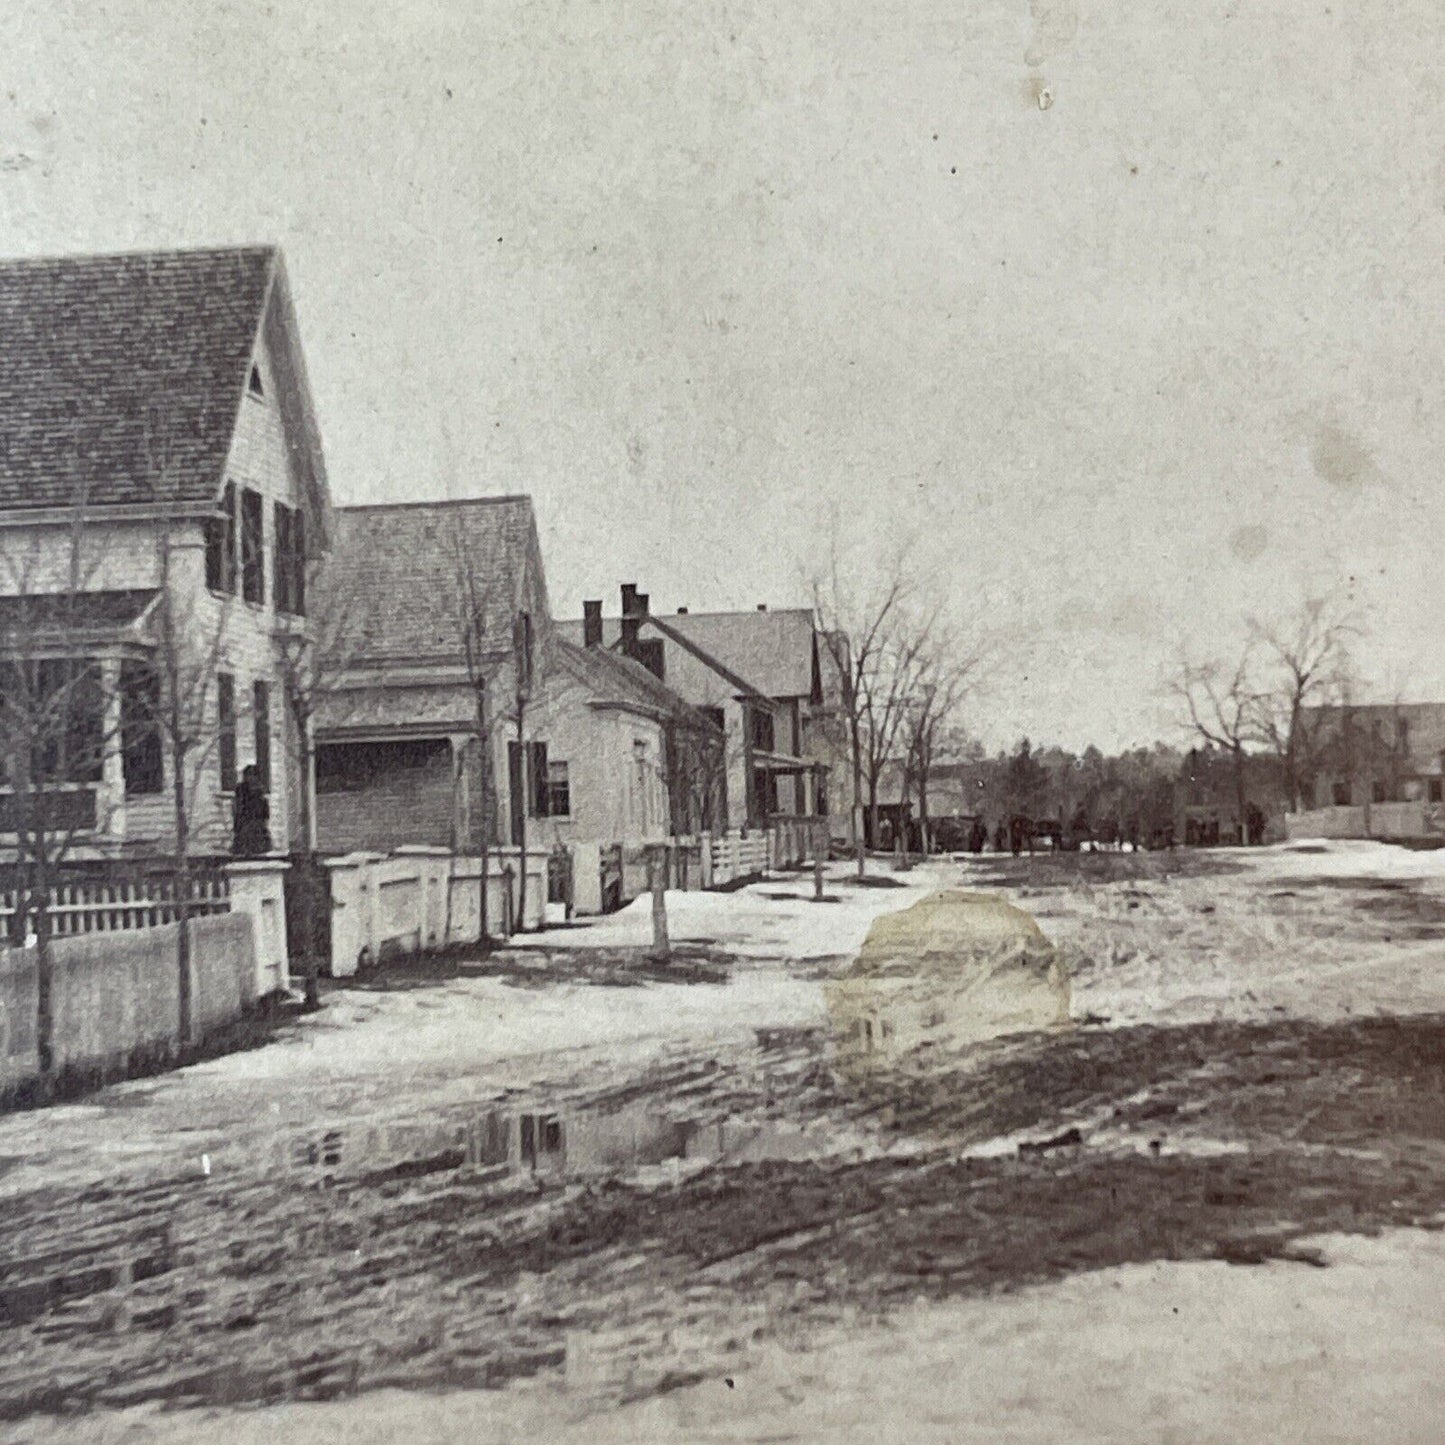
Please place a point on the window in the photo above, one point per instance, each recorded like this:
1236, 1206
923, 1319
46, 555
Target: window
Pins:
1377, 792
1341, 794
715, 716
359, 767
261, 718
1435, 793
762, 729
559, 791
253, 555
1402, 734
221, 544
254, 385
226, 729
140, 738
289, 561
68, 727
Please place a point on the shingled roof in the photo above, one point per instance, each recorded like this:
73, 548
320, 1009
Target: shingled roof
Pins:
108, 362
396, 573
611, 677
774, 651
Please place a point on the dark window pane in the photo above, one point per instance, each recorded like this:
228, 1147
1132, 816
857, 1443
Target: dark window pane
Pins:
221, 544
140, 700
66, 721
559, 791
253, 557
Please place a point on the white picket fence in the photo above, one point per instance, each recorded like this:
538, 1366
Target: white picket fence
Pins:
785, 843
98, 905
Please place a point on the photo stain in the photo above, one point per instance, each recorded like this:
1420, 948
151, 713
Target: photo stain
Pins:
1341, 461
1249, 543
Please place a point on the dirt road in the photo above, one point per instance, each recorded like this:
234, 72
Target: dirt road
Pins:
609, 1192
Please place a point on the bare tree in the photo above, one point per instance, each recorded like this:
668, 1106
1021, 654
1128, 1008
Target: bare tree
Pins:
173, 701
1308, 665
475, 605
887, 691
858, 629
55, 732
58, 729
1221, 704
948, 669
525, 669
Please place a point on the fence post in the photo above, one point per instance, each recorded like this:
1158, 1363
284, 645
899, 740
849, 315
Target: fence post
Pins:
657, 882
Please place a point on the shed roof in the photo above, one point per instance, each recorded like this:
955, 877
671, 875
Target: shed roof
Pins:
116, 369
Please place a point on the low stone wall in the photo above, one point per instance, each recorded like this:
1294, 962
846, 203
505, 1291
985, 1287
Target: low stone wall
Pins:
116, 995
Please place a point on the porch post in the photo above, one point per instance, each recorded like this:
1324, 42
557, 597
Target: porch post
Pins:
461, 794
110, 802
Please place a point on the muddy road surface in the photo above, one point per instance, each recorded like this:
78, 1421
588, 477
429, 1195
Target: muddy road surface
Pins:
619, 1216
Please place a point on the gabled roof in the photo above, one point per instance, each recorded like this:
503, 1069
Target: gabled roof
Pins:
120, 376
399, 575
775, 652
611, 677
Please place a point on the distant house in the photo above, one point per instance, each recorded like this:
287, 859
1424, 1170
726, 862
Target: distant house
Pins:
1374, 753
162, 497
422, 604
437, 609
756, 675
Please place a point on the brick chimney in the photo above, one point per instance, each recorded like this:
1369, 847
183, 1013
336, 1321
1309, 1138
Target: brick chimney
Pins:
634, 608
592, 623
762, 606
682, 611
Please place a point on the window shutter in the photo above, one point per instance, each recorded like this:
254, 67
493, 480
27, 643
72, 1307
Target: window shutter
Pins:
298, 562
281, 571
517, 794
538, 764
226, 729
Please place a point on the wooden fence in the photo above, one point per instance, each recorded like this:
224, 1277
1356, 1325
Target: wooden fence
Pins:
101, 904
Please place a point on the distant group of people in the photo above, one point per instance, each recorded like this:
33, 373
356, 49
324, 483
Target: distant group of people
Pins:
1019, 834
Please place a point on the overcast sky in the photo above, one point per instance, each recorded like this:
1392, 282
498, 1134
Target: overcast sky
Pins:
1131, 315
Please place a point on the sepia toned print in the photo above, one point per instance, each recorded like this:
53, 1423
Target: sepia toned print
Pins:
721, 722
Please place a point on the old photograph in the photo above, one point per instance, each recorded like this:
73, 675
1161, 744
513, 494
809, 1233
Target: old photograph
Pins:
722, 722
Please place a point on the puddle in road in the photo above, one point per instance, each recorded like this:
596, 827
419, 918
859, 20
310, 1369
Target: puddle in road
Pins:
550, 1143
